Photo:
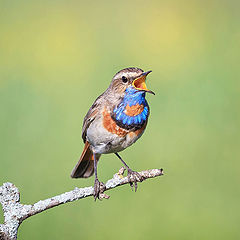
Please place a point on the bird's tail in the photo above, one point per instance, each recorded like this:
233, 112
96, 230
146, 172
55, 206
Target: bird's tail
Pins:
85, 166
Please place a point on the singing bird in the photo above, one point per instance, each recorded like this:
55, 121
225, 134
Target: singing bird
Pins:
115, 121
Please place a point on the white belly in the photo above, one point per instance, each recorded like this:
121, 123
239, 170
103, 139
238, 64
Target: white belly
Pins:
103, 141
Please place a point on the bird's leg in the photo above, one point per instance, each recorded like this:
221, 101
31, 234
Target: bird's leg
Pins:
133, 176
99, 187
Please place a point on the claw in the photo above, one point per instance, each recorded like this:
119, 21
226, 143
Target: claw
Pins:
99, 188
134, 177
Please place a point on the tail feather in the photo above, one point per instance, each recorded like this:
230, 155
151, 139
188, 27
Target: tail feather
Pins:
85, 166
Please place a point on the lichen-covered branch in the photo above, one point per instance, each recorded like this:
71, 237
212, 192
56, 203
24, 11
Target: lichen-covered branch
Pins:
15, 212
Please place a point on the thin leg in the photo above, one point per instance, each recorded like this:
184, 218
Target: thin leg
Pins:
95, 165
98, 186
133, 176
122, 160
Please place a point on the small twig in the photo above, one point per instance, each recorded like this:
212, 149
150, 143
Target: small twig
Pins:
15, 212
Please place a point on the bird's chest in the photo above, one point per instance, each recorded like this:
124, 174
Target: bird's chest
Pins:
119, 127
131, 113
116, 137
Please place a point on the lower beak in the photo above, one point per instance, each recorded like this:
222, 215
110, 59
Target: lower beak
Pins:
140, 83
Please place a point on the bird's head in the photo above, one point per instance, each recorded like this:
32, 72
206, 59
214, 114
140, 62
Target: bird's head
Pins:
133, 79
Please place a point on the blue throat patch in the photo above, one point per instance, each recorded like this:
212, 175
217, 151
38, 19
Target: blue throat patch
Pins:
132, 97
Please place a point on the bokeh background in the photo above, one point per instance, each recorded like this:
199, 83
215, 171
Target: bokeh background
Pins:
56, 57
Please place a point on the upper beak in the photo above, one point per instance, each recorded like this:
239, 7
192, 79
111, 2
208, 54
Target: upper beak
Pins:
140, 83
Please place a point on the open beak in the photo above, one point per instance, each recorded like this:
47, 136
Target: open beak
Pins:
140, 83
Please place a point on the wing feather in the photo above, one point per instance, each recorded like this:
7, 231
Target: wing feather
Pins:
91, 116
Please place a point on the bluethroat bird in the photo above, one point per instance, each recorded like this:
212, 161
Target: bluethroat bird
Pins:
115, 121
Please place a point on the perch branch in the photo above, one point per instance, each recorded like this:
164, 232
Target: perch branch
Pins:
15, 212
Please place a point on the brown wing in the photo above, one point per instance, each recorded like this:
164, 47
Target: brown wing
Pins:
90, 116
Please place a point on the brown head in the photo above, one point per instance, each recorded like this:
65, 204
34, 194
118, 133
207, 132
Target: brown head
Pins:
127, 77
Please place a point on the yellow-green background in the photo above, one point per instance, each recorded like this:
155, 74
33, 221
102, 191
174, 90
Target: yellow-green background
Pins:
56, 57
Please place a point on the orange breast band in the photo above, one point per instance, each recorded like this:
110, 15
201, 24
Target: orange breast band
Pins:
111, 126
134, 110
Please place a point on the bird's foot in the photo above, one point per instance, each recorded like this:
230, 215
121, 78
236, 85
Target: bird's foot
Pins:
133, 178
99, 188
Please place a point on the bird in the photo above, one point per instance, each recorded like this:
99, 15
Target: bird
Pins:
115, 121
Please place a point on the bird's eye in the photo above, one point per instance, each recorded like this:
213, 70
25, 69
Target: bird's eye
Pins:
124, 79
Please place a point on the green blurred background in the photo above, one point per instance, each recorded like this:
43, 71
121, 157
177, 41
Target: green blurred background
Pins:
56, 57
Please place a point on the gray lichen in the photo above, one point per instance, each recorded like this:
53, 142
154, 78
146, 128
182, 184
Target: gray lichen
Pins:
15, 212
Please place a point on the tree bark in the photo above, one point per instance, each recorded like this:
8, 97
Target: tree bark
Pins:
15, 212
